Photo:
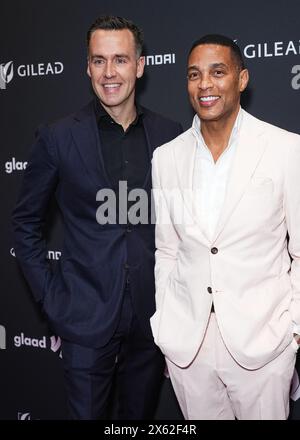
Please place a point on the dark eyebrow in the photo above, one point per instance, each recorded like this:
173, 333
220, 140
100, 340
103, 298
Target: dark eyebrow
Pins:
121, 55
115, 56
192, 68
216, 65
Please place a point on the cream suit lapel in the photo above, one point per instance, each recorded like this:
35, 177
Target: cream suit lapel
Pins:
251, 145
185, 152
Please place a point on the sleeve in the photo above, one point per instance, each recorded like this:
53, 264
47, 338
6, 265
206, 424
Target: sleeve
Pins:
166, 237
292, 211
39, 183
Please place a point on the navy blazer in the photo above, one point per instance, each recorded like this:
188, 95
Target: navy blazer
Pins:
82, 296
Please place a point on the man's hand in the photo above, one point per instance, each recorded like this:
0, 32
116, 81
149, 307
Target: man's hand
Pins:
297, 338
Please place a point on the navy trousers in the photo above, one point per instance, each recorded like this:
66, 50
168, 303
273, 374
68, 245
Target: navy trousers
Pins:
130, 363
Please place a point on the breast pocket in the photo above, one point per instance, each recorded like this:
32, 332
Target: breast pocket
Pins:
260, 186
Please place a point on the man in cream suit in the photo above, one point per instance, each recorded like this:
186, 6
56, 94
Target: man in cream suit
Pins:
227, 196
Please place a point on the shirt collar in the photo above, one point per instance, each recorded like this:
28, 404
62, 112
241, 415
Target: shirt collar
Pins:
101, 113
196, 129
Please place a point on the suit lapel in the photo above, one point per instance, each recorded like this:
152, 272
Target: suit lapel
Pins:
86, 137
148, 133
185, 155
149, 142
250, 148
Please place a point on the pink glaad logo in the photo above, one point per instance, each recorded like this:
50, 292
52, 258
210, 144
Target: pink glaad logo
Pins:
55, 344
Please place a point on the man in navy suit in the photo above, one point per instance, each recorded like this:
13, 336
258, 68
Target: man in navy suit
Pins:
100, 296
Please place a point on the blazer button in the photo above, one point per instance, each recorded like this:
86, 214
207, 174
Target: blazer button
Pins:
128, 230
214, 250
126, 266
209, 289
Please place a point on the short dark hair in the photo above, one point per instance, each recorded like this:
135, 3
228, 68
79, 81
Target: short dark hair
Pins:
221, 40
111, 22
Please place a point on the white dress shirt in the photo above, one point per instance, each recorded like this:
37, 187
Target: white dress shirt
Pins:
210, 177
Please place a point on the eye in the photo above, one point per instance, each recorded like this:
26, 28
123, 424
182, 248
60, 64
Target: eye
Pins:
121, 60
97, 61
192, 76
219, 73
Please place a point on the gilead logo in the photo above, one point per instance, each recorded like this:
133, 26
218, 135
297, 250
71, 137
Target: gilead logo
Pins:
28, 70
21, 339
6, 74
272, 49
40, 69
24, 416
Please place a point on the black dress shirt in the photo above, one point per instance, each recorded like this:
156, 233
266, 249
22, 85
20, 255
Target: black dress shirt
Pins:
125, 153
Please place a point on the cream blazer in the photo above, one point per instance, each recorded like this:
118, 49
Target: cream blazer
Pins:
250, 269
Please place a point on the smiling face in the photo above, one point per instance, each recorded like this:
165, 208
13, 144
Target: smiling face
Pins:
113, 67
215, 82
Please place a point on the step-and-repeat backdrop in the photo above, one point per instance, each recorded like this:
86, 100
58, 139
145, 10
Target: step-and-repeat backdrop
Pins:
43, 77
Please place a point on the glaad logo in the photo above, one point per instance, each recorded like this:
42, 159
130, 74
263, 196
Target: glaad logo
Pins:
55, 344
167, 58
23, 70
296, 79
2, 338
24, 416
21, 339
6, 74
14, 165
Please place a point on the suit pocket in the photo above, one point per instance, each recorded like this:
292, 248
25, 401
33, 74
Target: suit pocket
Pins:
260, 186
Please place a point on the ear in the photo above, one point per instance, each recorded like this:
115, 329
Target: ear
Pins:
88, 70
140, 67
243, 79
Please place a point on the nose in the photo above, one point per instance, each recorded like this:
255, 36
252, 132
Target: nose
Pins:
109, 70
205, 82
